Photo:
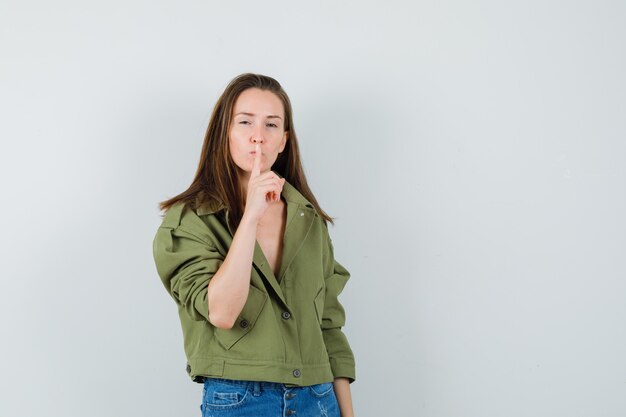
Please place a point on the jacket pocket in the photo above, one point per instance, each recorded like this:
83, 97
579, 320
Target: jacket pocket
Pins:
246, 320
319, 304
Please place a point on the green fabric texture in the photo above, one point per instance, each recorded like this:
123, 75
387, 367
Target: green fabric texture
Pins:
306, 346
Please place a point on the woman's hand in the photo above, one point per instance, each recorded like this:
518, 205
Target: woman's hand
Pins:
263, 189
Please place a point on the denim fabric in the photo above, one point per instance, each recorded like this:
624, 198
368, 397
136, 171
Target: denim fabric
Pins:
233, 398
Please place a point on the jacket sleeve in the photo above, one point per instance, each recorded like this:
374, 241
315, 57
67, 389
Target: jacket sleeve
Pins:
333, 318
186, 262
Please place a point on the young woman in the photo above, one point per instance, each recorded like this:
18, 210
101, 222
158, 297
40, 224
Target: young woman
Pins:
246, 255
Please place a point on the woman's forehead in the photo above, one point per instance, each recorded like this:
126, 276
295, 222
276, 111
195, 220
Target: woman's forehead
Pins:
256, 102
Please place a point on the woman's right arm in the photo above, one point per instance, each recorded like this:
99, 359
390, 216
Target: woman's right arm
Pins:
228, 289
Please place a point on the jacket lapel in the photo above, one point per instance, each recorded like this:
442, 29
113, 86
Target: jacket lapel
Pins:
298, 224
299, 221
265, 271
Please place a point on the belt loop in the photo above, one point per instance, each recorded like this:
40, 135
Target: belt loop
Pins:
257, 388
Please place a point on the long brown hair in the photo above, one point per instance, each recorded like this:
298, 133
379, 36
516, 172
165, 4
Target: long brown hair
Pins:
216, 177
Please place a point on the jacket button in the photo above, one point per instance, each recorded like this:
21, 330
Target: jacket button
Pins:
296, 373
286, 315
188, 368
244, 323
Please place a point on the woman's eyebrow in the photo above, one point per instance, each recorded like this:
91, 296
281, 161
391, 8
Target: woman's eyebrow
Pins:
271, 116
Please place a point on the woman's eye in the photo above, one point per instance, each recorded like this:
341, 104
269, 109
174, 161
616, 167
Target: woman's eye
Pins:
243, 122
272, 124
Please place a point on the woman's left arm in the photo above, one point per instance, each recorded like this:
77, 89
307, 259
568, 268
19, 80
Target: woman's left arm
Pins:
344, 396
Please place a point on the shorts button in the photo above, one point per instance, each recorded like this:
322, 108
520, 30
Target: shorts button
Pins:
296, 373
286, 315
244, 323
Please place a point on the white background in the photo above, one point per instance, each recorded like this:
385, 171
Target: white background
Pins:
472, 153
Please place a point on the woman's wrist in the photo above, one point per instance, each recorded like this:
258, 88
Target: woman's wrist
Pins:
249, 220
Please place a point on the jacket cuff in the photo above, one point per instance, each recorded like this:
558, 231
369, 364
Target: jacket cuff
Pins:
343, 367
340, 354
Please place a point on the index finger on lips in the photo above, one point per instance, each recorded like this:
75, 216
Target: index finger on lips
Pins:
256, 167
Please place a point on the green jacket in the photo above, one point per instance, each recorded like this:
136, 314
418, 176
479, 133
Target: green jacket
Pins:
289, 330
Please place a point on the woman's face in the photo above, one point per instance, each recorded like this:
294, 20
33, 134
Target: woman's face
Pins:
258, 116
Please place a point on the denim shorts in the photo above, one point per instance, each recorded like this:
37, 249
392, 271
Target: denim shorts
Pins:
234, 398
